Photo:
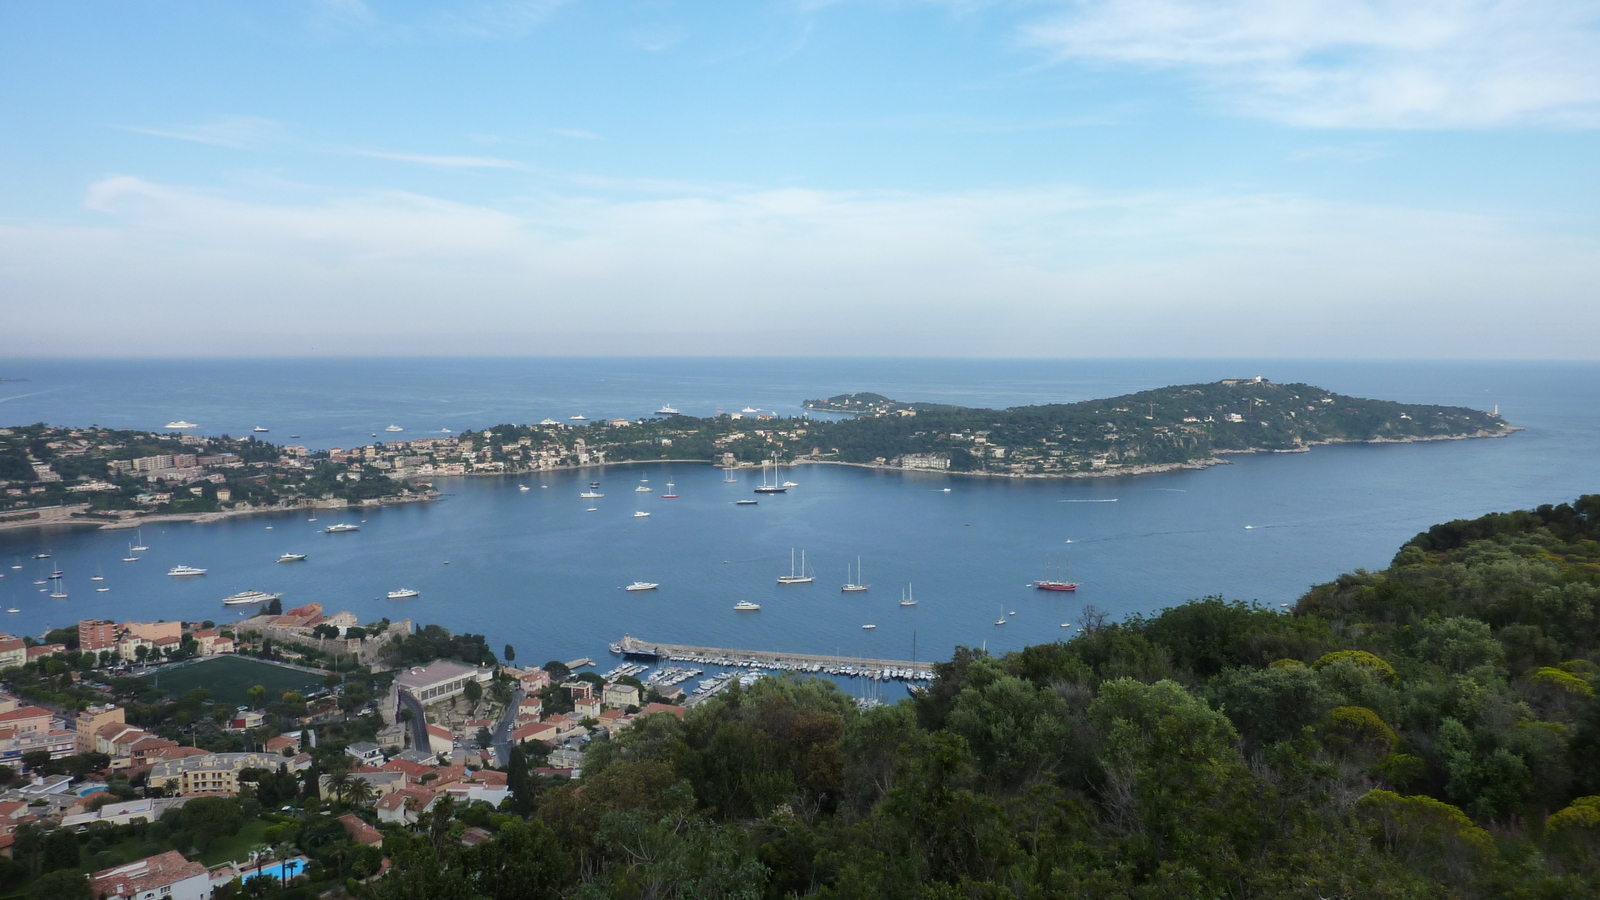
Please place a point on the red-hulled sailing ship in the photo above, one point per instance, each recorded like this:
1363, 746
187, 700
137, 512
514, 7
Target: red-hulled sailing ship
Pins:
1059, 583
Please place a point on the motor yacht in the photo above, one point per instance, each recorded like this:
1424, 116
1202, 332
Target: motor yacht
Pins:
246, 598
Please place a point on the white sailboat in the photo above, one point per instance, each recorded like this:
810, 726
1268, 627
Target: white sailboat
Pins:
58, 591
793, 577
906, 599
139, 547
853, 586
727, 476
672, 491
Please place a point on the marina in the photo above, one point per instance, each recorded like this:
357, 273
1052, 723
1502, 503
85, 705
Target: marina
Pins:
800, 663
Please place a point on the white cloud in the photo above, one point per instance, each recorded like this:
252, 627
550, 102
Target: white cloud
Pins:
1358, 63
448, 162
578, 133
1050, 271
236, 132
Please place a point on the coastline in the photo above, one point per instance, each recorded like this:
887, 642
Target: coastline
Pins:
79, 520
67, 516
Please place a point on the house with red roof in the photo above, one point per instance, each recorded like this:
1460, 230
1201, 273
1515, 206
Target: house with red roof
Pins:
360, 831
166, 875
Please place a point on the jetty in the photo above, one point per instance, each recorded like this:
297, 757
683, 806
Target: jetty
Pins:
631, 647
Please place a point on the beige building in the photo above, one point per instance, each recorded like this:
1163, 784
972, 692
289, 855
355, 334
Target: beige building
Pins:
214, 773
91, 720
440, 680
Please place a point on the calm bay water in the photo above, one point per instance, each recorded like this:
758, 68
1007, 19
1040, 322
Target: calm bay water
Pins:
535, 569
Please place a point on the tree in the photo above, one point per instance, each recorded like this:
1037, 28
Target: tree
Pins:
558, 671
511, 653
258, 695
38, 761
61, 885
474, 692
339, 784
359, 792
209, 819
60, 850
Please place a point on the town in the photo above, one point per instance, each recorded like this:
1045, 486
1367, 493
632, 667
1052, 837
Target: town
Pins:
224, 746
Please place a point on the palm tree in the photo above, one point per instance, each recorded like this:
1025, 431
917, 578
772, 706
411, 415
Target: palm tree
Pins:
339, 784
359, 791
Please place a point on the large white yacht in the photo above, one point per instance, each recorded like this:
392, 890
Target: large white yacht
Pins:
245, 598
341, 528
403, 594
184, 571
666, 410
394, 428
180, 424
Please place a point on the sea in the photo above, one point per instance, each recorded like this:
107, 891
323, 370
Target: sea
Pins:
540, 570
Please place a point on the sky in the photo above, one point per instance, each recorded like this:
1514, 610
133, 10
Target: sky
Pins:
1083, 178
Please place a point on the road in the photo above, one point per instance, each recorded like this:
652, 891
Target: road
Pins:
419, 724
502, 733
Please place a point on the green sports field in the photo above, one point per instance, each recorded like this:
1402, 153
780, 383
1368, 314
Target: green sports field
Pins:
230, 678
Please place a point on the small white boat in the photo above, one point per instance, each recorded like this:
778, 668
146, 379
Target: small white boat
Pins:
644, 487
791, 484
394, 428
641, 514
101, 590
13, 610
246, 598
642, 586
746, 606
184, 571
522, 487
591, 495
745, 502
341, 528
403, 594
97, 578
749, 410
130, 559
259, 430
444, 431
577, 418
868, 627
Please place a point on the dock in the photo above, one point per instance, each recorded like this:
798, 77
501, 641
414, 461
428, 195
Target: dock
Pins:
851, 666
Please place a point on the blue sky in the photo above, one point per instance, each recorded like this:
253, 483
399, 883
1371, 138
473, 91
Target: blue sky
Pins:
1079, 178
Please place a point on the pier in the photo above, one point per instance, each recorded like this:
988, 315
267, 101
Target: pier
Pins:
853, 666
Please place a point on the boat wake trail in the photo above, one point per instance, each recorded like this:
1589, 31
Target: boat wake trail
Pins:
1112, 500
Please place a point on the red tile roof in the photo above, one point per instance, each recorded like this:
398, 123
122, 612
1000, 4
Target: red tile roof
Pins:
360, 831
148, 874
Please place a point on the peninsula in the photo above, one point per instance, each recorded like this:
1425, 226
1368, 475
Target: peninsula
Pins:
54, 474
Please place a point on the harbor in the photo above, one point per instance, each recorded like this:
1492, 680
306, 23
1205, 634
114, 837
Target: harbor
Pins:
631, 647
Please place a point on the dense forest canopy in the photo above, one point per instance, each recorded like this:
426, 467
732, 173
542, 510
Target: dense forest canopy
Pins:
1430, 730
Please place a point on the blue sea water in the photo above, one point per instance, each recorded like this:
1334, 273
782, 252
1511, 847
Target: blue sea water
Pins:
537, 570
